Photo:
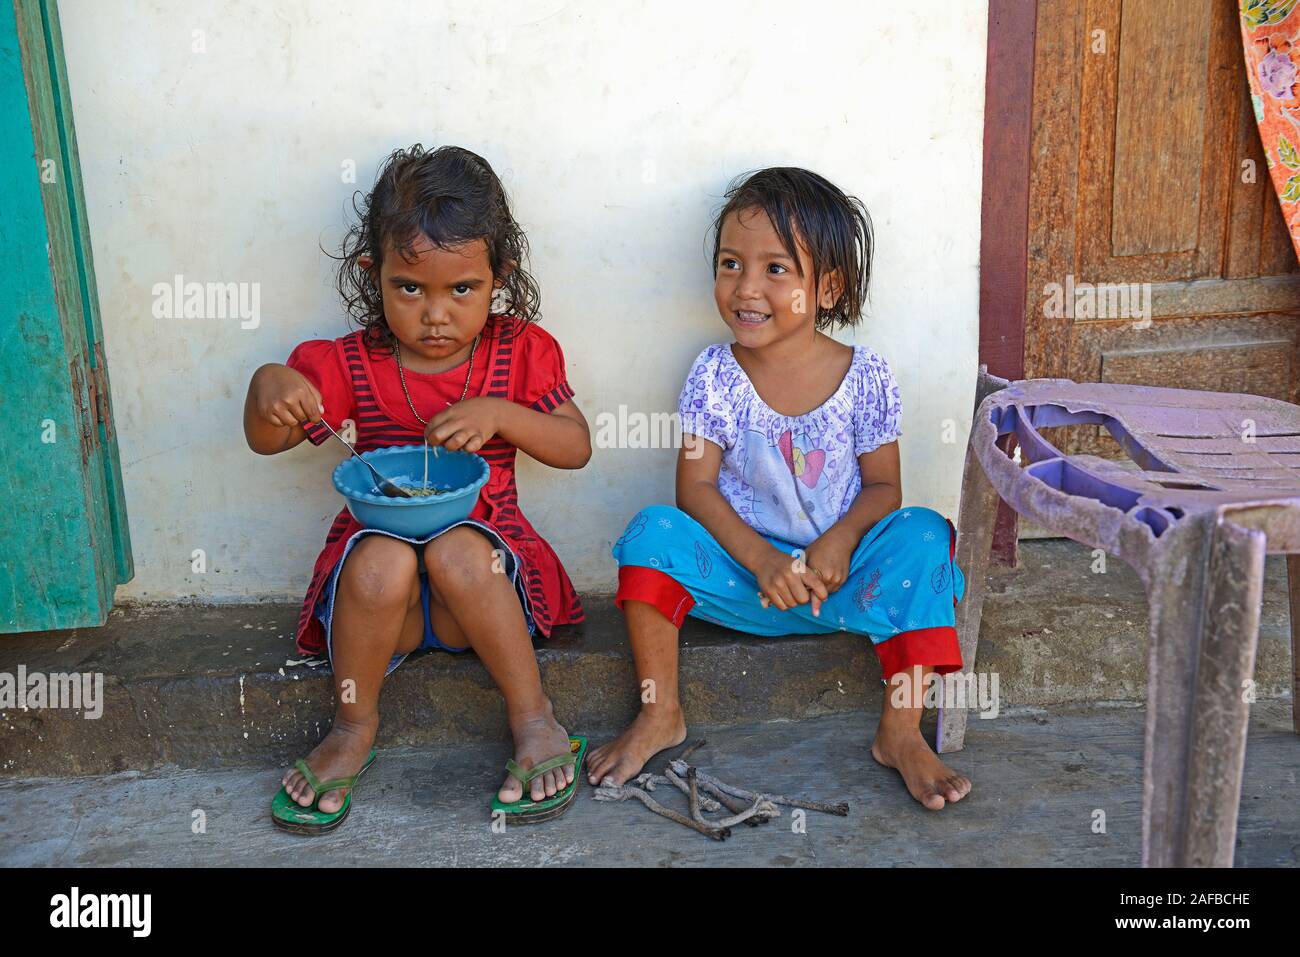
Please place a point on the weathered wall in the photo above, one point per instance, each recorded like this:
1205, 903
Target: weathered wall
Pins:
214, 140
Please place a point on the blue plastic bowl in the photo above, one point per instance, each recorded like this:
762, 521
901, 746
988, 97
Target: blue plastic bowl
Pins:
458, 474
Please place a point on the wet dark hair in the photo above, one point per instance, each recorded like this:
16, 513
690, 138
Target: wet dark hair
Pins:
451, 196
835, 229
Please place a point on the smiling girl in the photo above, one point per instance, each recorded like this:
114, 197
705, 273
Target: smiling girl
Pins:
448, 353
788, 486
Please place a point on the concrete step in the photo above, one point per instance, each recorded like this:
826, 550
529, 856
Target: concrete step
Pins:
212, 686
221, 686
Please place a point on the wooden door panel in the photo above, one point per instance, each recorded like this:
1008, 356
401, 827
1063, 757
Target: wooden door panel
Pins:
1156, 141
1163, 58
64, 534
1194, 354
1054, 150
1139, 176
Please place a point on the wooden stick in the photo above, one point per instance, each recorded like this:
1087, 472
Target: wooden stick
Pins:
724, 800
761, 806
742, 812
706, 803
752, 816
692, 749
694, 794
612, 792
739, 807
839, 810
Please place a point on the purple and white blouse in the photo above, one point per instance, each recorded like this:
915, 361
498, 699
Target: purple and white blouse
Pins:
790, 477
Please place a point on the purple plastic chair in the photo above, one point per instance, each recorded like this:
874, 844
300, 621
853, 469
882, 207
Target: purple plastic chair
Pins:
1216, 487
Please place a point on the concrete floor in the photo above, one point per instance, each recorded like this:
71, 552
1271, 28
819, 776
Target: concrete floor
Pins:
1039, 778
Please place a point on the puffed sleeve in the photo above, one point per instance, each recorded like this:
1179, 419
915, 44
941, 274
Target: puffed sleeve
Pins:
320, 362
878, 413
704, 406
544, 381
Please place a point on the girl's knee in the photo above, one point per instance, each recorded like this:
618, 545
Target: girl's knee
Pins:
655, 514
460, 556
379, 573
635, 544
929, 527
926, 517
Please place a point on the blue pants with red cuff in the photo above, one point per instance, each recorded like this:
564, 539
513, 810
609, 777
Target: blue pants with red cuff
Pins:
901, 591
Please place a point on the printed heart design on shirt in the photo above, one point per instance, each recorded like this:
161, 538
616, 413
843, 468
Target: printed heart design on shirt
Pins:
805, 466
814, 462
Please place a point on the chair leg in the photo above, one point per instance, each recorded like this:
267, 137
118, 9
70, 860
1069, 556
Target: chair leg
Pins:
1205, 598
976, 516
1293, 587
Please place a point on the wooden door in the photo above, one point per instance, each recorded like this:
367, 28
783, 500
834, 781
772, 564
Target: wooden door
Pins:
1146, 173
63, 519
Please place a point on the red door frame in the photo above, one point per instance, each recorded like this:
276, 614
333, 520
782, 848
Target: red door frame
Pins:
1004, 207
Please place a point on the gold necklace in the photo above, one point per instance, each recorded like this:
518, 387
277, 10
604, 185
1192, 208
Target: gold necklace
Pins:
401, 377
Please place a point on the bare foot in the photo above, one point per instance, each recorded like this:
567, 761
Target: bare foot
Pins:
538, 738
623, 758
341, 754
928, 779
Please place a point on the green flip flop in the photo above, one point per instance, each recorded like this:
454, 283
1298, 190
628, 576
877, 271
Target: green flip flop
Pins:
291, 816
528, 811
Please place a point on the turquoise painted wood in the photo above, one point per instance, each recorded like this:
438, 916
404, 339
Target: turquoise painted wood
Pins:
63, 517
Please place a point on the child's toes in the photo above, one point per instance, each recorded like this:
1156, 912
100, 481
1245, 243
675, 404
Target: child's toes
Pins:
298, 790
950, 787
537, 791
934, 801
511, 791
332, 801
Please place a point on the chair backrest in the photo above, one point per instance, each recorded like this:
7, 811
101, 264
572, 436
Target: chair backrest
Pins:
1191, 451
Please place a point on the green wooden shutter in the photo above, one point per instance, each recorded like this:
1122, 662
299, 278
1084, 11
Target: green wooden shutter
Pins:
62, 516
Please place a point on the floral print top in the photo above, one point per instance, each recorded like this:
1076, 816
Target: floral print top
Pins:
790, 477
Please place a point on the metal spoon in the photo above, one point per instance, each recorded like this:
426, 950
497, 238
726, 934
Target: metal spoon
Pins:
385, 485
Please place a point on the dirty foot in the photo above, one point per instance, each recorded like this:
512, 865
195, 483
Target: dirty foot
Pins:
538, 738
623, 758
928, 779
340, 755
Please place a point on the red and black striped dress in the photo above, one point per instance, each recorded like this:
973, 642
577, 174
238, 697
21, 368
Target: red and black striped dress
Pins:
517, 361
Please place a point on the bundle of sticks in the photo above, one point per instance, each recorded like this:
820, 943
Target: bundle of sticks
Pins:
706, 794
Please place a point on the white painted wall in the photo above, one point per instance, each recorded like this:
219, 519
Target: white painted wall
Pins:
615, 125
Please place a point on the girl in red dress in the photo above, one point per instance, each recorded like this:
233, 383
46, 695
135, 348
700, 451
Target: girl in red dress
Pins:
448, 353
